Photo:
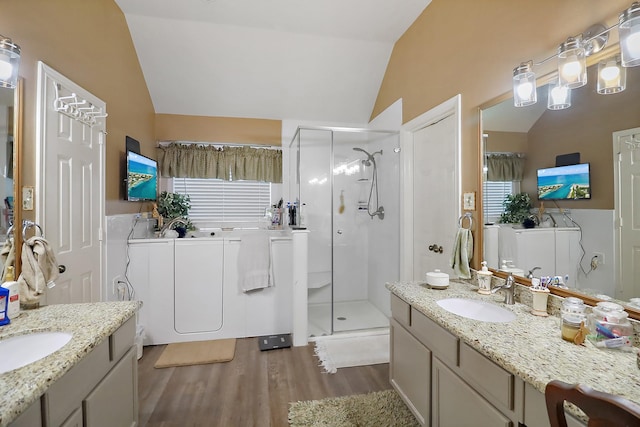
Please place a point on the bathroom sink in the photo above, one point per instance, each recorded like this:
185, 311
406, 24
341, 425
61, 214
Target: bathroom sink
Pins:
477, 310
22, 350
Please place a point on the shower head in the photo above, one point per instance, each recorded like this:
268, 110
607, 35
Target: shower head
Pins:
369, 159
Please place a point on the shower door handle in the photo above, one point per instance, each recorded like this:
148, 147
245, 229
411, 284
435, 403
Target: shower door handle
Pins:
339, 231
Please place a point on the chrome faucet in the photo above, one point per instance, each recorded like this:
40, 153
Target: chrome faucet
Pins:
508, 288
170, 224
530, 275
553, 220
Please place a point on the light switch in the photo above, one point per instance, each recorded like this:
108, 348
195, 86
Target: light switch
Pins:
469, 201
27, 198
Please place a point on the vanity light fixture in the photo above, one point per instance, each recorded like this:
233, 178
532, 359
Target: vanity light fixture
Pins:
559, 96
9, 62
572, 63
572, 54
612, 76
629, 32
524, 85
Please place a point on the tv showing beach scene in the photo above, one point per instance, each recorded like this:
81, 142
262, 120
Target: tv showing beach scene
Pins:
142, 177
570, 182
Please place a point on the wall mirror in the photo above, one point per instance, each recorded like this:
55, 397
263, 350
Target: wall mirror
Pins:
10, 175
532, 137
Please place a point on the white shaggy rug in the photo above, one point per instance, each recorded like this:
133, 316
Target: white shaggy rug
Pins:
337, 352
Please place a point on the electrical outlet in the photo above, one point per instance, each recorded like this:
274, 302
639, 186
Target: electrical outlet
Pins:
114, 284
600, 258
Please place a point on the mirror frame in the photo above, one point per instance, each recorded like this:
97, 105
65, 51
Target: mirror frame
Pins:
17, 175
541, 81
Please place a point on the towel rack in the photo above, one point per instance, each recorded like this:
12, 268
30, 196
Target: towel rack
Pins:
26, 224
10, 231
468, 216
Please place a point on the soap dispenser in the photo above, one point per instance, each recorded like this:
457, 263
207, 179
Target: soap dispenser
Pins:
484, 280
4, 304
13, 308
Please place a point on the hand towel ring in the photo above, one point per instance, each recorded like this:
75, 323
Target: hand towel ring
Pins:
462, 218
26, 224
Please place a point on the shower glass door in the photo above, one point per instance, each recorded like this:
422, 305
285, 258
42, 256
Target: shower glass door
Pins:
315, 192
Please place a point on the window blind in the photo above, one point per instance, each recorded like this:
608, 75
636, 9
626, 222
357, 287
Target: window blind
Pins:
214, 201
494, 193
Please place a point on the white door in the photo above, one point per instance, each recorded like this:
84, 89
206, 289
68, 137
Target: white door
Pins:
626, 157
432, 164
70, 191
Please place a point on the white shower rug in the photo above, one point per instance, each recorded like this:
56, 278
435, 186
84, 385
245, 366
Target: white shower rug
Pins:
337, 352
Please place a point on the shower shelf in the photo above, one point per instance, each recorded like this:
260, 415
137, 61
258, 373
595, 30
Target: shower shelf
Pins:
318, 279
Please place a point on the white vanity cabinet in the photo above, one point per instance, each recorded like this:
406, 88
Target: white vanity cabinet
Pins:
100, 390
444, 381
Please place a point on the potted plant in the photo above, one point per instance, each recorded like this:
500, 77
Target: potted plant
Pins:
516, 208
175, 205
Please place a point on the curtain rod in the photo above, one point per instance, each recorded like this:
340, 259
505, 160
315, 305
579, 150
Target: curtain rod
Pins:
219, 144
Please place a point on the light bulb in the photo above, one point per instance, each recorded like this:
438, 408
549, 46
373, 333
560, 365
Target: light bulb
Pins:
633, 44
6, 69
559, 94
525, 90
572, 68
610, 71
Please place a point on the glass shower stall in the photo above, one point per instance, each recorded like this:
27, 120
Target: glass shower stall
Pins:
346, 182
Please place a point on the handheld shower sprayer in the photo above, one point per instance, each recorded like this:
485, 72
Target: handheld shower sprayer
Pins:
379, 210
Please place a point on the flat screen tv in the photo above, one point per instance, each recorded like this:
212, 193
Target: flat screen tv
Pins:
142, 177
564, 182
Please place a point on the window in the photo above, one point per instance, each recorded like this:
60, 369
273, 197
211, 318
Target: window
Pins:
214, 201
494, 193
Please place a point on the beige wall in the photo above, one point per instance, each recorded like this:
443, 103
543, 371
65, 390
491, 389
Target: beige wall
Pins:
172, 127
585, 128
506, 142
88, 42
471, 47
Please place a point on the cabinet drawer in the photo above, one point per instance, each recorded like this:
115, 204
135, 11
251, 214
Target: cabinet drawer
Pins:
437, 339
496, 384
401, 311
122, 339
67, 393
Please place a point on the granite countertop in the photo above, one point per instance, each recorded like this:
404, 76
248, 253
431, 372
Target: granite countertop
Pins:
530, 346
89, 323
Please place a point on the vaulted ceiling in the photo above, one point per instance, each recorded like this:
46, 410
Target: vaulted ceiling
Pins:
321, 60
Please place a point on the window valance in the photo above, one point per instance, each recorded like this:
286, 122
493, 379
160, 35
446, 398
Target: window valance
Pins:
179, 160
505, 167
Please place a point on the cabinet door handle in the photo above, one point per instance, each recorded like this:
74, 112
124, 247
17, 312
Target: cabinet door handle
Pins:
62, 269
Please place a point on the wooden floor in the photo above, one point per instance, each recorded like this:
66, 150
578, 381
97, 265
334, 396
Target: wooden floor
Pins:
254, 389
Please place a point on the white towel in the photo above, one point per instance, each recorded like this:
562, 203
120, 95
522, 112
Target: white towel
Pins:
462, 253
254, 262
39, 269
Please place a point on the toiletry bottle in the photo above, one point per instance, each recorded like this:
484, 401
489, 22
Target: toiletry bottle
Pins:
4, 304
9, 283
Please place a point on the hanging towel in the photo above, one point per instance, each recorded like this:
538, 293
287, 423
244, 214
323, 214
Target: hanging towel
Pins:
39, 269
254, 262
462, 253
7, 256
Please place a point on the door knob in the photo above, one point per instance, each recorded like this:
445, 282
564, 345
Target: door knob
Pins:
61, 269
339, 232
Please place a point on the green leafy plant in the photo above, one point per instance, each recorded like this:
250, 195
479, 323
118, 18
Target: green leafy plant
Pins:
516, 208
175, 205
